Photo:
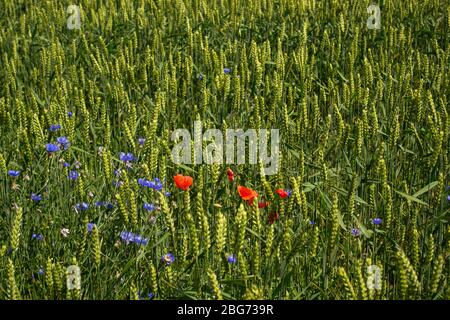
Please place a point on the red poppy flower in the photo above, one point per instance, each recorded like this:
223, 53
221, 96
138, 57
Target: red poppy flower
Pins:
263, 204
247, 194
273, 217
282, 193
183, 182
230, 174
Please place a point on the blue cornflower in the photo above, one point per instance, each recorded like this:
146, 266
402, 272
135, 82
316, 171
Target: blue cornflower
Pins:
127, 236
143, 182
99, 204
149, 206
70, 114
37, 236
226, 70
50, 147
66, 164
36, 197
168, 258
355, 232
311, 222
73, 175
41, 271
167, 194
13, 173
155, 184
150, 296
82, 206
126, 157
448, 197
141, 141
231, 258
377, 221
131, 237
200, 77
55, 127
109, 206
90, 226
64, 142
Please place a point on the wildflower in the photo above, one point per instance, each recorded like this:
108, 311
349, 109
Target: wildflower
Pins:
168, 258
167, 194
262, 205
37, 236
448, 197
99, 204
311, 222
90, 226
231, 258
50, 147
355, 232
109, 206
41, 271
100, 150
150, 296
200, 77
273, 217
247, 194
230, 174
126, 157
77, 164
283, 193
64, 142
149, 206
73, 175
65, 232
36, 197
131, 237
82, 206
70, 114
155, 184
55, 127
377, 221
13, 173
183, 182
66, 164
226, 70
141, 141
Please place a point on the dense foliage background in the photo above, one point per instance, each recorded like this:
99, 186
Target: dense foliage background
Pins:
364, 122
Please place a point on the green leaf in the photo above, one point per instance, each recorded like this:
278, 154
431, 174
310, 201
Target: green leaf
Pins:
411, 198
425, 189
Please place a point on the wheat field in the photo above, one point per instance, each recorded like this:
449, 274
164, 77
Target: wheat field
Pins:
93, 205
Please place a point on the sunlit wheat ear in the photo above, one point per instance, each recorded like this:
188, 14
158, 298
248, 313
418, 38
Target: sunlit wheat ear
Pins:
348, 288
214, 284
437, 273
335, 213
430, 250
168, 217
96, 245
153, 279
362, 288
16, 229
121, 204
3, 169
415, 248
195, 245
12, 289
408, 276
58, 277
